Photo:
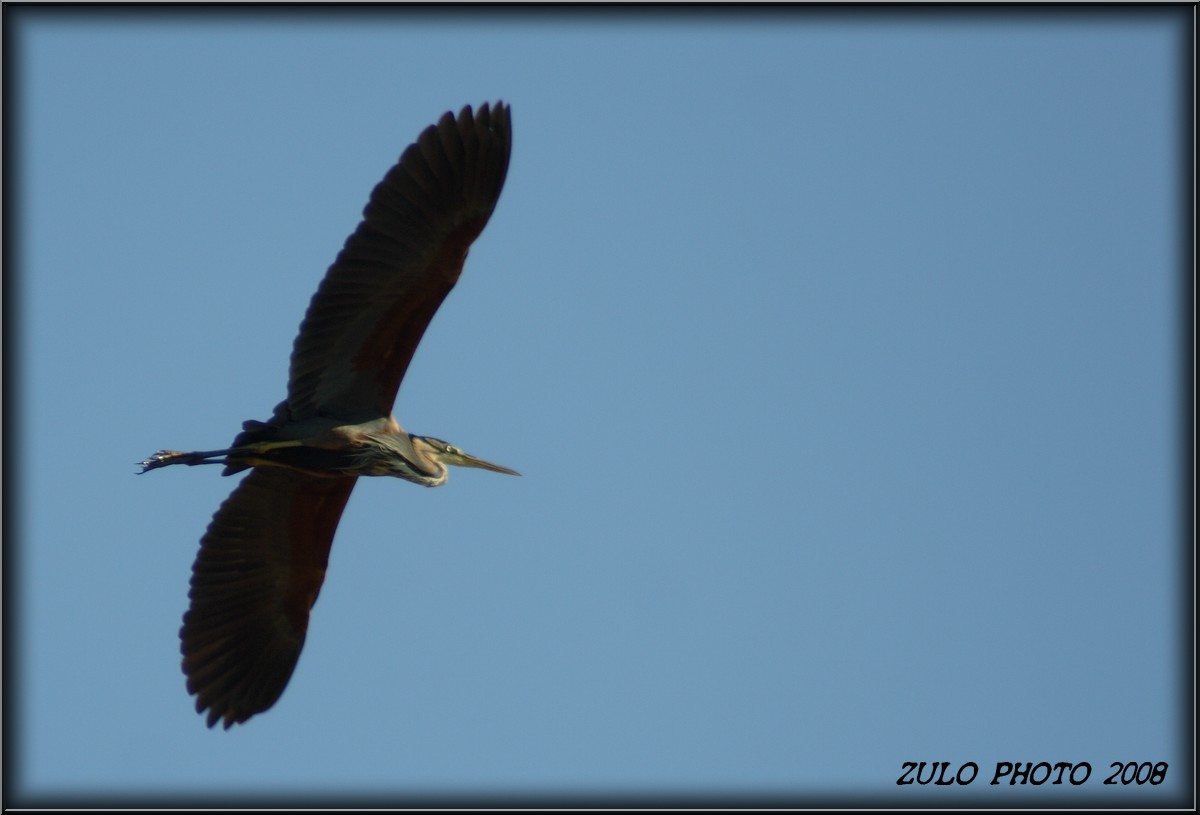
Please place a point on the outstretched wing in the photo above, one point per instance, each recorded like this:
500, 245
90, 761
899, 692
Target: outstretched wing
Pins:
376, 300
260, 568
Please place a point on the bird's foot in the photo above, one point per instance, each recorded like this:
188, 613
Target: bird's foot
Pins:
161, 459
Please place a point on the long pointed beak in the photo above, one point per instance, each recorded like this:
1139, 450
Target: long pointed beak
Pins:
464, 460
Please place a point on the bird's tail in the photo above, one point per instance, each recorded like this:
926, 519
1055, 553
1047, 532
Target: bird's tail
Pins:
253, 432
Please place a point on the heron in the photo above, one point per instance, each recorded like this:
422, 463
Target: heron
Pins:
262, 560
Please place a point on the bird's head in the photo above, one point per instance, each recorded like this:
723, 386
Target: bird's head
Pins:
446, 453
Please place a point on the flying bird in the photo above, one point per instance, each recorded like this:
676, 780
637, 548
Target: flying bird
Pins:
262, 561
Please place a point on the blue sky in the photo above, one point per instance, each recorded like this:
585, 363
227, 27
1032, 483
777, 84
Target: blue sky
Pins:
838, 350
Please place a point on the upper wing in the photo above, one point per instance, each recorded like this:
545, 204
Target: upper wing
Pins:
377, 298
260, 568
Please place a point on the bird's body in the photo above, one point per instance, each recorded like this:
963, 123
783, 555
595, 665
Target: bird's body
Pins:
328, 448
262, 561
